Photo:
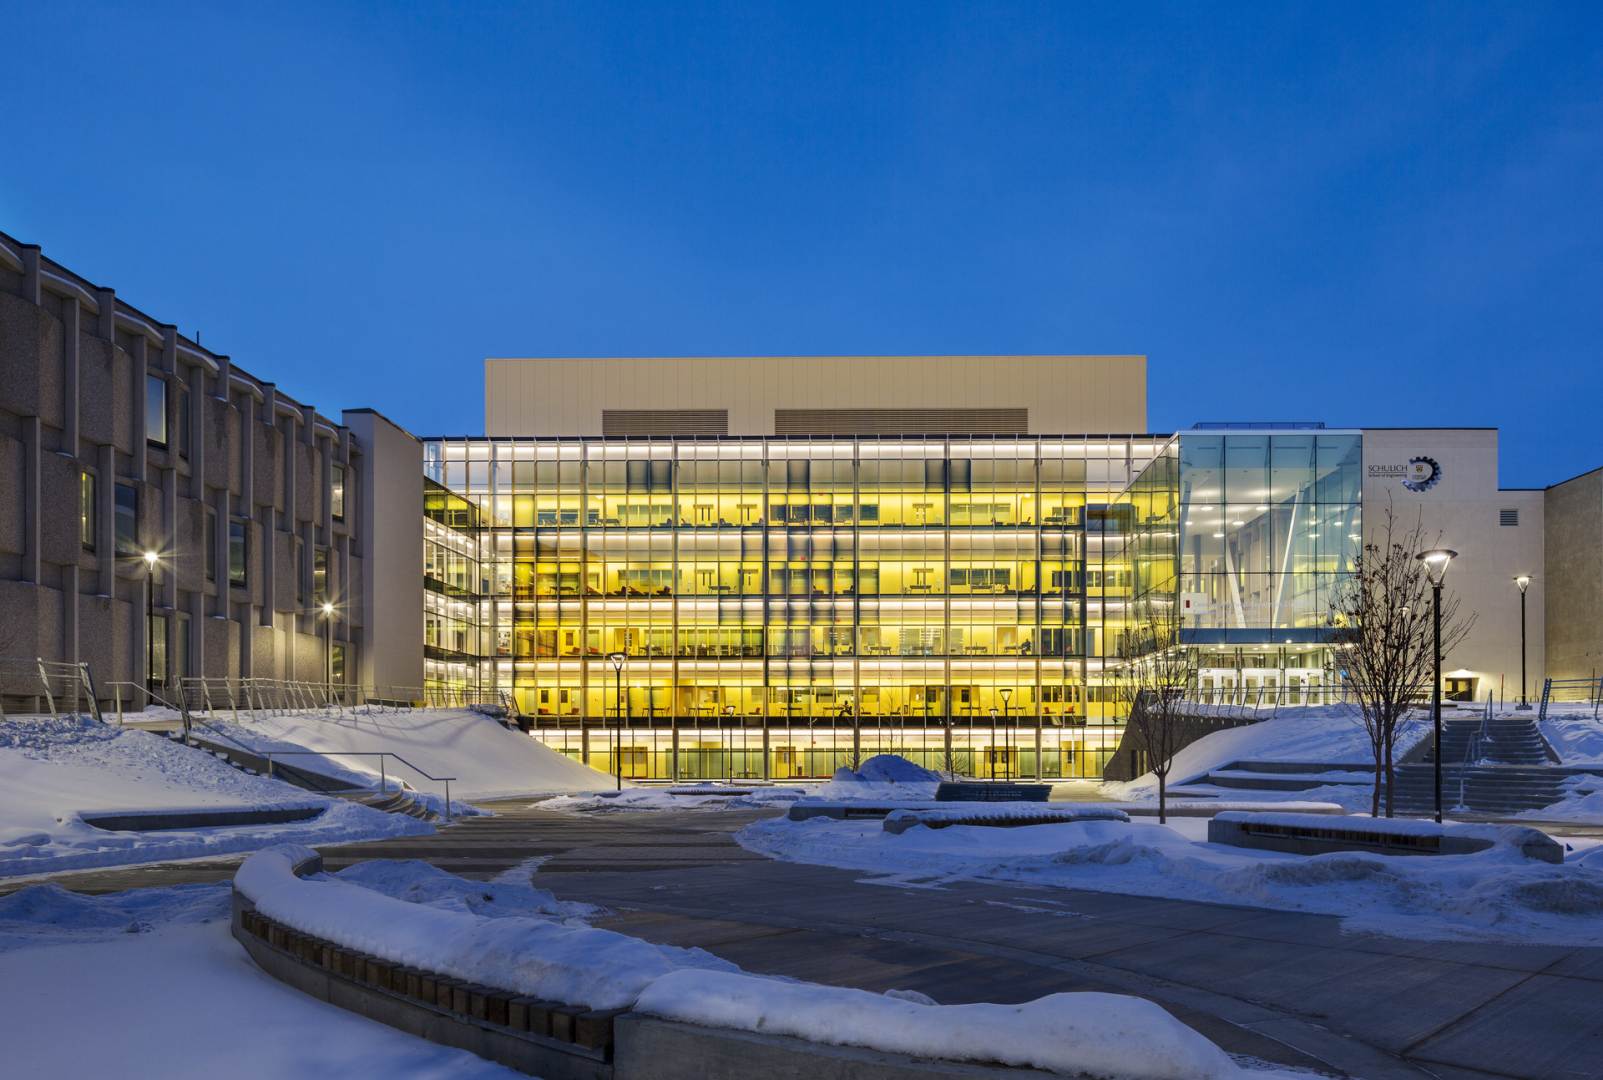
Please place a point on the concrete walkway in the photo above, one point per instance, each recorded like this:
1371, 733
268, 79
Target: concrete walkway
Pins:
1287, 987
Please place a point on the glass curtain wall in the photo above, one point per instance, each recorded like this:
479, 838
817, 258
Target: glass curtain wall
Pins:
1250, 533
786, 606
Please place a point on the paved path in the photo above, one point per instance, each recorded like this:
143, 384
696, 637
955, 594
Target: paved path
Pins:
1283, 986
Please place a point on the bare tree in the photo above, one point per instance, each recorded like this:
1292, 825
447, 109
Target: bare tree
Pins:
1382, 614
1151, 685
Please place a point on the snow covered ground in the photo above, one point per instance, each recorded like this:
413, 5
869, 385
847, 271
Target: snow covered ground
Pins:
1573, 733
169, 993
487, 760
1493, 896
53, 771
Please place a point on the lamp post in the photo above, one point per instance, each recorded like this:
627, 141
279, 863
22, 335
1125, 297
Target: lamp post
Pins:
729, 749
1524, 582
1436, 560
616, 659
993, 742
1007, 729
150, 622
328, 647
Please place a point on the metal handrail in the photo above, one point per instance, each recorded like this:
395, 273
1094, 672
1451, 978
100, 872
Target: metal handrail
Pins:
384, 783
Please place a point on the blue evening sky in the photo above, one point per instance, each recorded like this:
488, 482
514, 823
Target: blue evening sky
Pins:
1383, 215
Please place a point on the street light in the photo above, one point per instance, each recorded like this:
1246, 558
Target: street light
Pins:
616, 659
1436, 560
993, 742
729, 749
1007, 729
328, 646
150, 622
1524, 582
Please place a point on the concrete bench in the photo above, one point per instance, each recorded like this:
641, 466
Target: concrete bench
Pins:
847, 809
970, 791
1311, 834
998, 815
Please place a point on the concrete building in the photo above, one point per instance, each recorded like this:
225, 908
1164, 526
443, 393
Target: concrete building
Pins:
1573, 569
119, 437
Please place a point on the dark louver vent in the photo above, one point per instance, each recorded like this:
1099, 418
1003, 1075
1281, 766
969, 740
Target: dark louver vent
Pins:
1508, 517
901, 421
665, 421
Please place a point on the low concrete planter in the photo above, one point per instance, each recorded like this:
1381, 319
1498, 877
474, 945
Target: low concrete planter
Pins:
899, 821
199, 818
1304, 834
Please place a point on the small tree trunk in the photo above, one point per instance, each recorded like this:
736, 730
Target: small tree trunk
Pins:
1374, 796
1391, 783
1163, 798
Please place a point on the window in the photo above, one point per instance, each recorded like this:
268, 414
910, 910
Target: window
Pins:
158, 650
86, 510
156, 410
336, 495
320, 574
336, 663
238, 552
126, 497
1508, 517
183, 422
211, 544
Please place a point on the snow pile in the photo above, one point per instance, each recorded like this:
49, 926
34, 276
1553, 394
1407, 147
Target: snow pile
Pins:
529, 955
705, 797
49, 914
1493, 895
889, 769
52, 771
1325, 733
173, 996
1574, 735
487, 760
1083, 1034
418, 882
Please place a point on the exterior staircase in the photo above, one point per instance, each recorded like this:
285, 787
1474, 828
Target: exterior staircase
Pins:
1498, 766
396, 800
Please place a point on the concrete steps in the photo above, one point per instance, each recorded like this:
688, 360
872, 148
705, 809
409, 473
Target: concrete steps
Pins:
394, 801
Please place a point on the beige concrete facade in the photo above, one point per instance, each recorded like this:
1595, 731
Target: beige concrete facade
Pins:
77, 369
1054, 395
1497, 532
1574, 557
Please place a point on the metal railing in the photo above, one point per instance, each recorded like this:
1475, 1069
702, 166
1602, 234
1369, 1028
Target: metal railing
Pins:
60, 685
382, 755
1571, 691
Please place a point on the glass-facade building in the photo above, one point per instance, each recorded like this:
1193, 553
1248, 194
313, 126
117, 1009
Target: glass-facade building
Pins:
781, 606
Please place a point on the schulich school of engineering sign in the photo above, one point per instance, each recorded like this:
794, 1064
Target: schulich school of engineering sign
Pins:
1417, 474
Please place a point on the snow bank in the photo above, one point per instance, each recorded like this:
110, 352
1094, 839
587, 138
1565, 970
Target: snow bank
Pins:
533, 956
51, 915
487, 760
1324, 733
1084, 1034
1493, 895
51, 771
889, 769
182, 1003
1574, 735
648, 799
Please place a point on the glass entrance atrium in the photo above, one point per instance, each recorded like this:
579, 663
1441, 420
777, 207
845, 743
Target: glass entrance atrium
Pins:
780, 606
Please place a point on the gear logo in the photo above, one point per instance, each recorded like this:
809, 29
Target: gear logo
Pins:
1423, 474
